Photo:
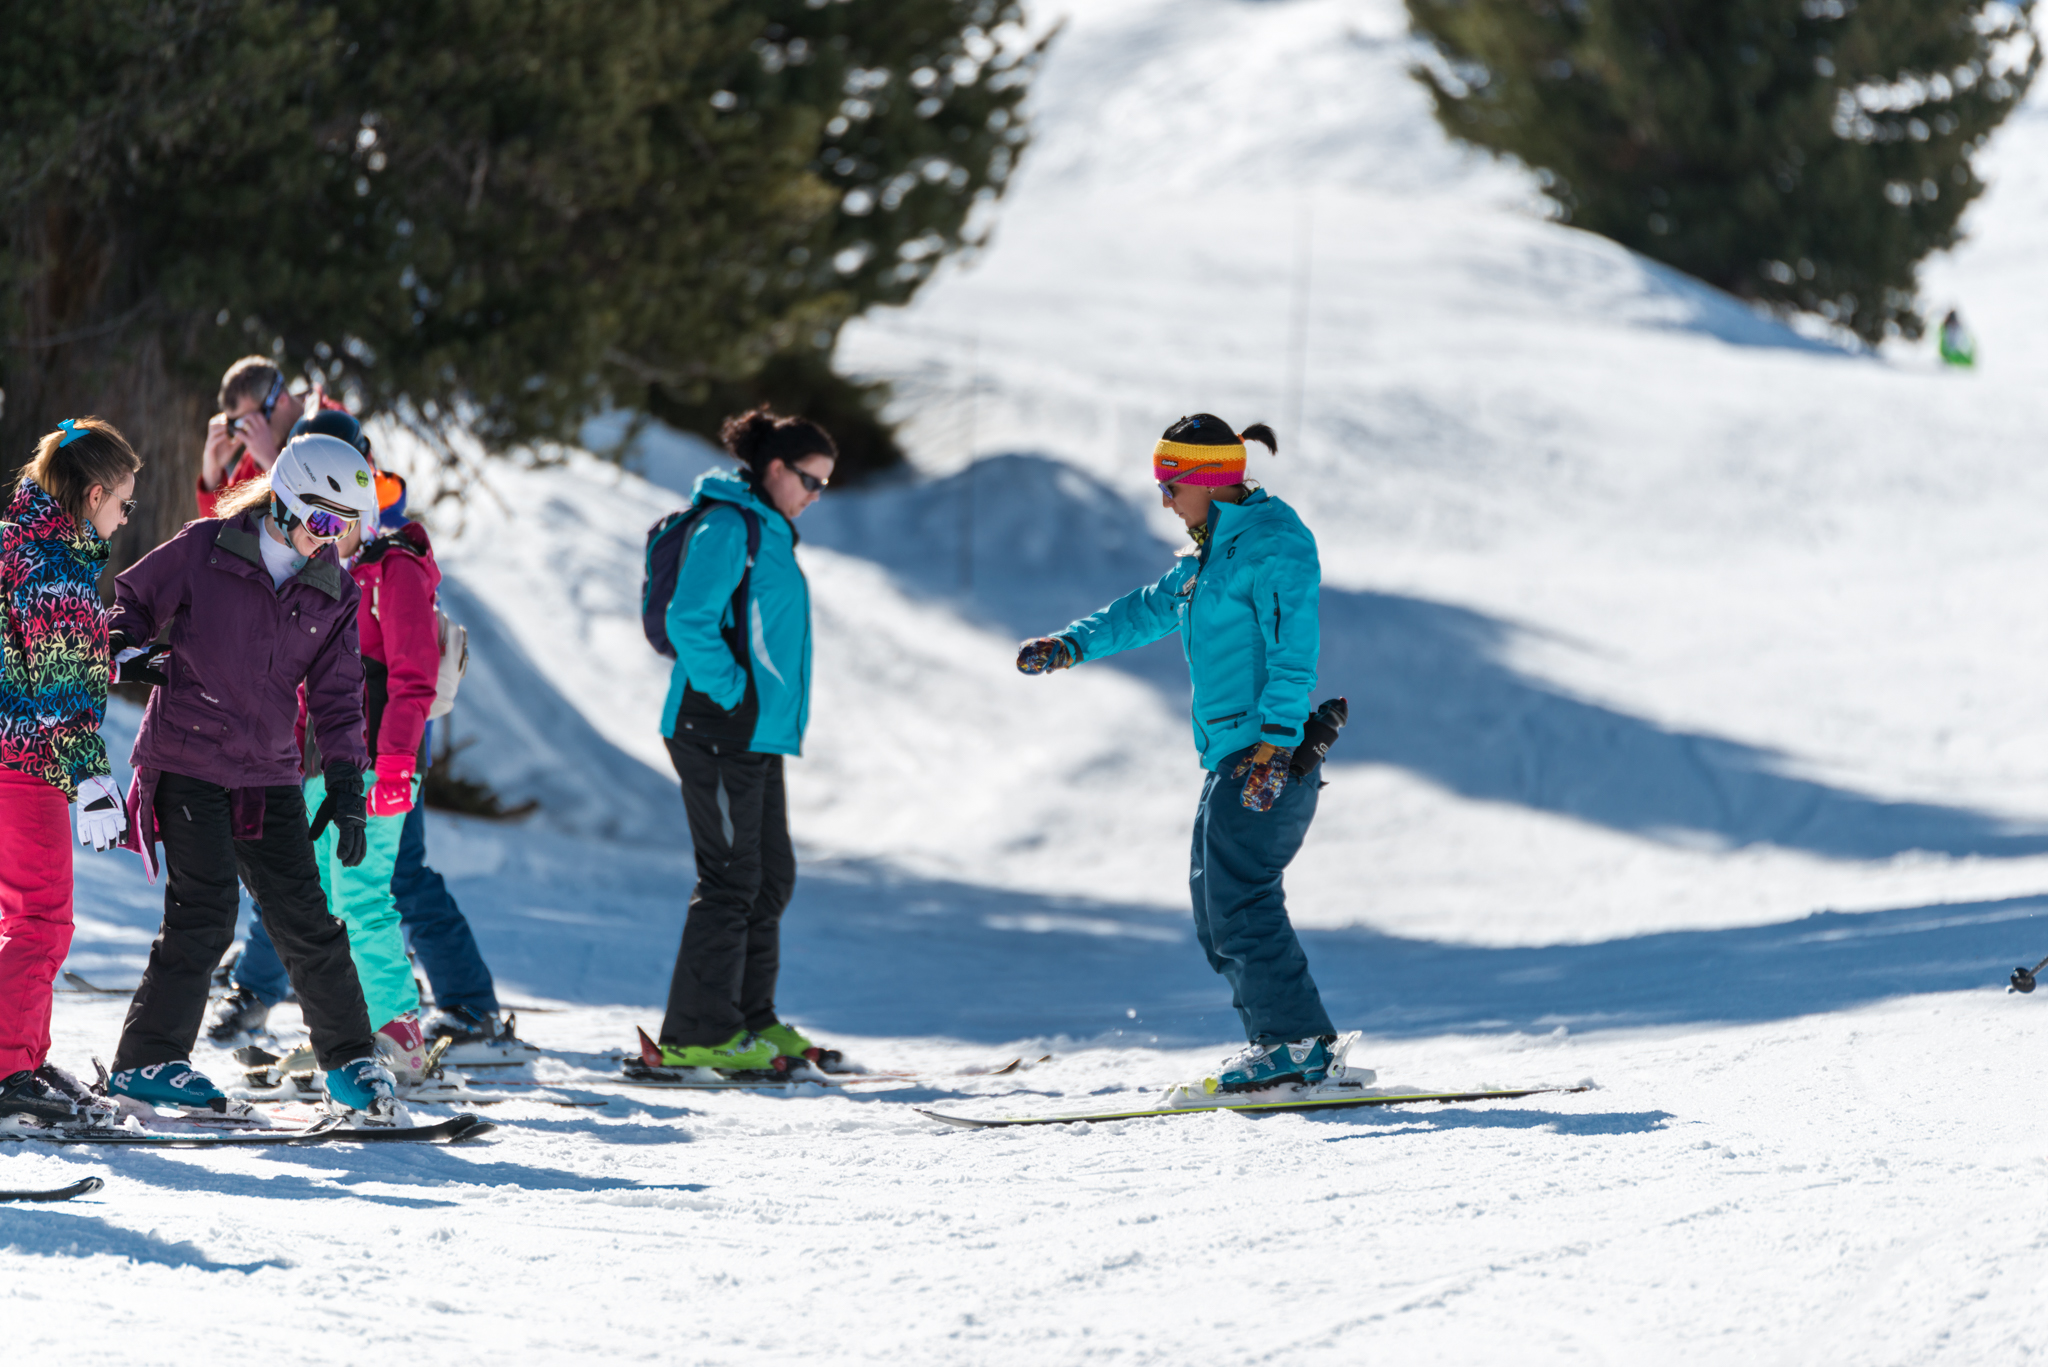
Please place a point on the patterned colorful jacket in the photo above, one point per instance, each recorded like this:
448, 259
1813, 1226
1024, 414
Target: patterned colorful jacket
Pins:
53, 651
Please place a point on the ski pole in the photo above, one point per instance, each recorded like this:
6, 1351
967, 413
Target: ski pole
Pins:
2023, 978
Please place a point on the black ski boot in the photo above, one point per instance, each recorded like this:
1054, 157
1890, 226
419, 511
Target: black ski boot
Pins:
95, 1107
26, 1094
465, 1025
237, 1017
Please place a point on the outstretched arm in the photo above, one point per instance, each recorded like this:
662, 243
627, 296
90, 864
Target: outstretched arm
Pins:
1137, 619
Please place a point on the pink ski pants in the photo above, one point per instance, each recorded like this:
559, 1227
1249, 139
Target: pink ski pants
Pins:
35, 913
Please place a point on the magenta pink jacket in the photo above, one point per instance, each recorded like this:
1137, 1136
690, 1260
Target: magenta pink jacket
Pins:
401, 642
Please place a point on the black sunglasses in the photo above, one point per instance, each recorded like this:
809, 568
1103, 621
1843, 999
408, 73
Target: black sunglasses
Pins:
129, 505
811, 483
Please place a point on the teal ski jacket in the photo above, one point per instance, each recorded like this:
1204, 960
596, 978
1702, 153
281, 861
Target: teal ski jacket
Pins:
743, 684
1245, 608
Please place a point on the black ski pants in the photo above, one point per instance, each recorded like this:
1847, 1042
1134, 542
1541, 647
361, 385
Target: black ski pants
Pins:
202, 861
746, 870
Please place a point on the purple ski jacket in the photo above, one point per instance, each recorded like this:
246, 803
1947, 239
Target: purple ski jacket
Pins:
239, 652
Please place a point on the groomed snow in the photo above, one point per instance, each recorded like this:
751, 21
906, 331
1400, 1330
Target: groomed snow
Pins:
1697, 751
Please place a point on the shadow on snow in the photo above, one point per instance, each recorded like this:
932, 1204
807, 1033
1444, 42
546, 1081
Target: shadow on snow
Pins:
1030, 544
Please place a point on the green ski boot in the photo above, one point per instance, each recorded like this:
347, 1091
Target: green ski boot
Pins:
745, 1052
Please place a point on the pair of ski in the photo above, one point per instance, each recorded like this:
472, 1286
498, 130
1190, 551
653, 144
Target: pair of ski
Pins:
818, 1068
1342, 1088
208, 1130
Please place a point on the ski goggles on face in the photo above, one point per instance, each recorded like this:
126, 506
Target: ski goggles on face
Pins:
328, 525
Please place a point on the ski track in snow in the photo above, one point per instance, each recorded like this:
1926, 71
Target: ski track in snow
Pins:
1697, 751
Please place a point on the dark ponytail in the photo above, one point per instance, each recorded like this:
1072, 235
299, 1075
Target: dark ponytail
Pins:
1263, 435
758, 438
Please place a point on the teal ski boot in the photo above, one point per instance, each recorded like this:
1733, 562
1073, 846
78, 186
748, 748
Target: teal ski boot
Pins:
176, 1083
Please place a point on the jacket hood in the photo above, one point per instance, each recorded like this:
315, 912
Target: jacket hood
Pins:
727, 487
33, 515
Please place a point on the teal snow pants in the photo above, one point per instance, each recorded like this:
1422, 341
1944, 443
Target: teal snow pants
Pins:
362, 898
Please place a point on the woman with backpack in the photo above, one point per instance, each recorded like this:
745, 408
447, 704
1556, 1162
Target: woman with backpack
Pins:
1243, 599
54, 671
739, 626
256, 607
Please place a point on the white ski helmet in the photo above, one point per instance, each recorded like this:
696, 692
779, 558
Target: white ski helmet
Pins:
316, 472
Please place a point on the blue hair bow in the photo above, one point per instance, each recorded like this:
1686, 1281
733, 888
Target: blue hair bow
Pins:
71, 430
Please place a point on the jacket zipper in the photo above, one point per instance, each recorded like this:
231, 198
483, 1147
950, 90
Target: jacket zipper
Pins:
1276, 619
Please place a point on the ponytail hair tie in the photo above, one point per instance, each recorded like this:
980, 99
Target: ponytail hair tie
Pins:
71, 430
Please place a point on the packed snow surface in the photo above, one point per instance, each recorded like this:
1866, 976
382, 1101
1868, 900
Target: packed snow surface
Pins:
1698, 751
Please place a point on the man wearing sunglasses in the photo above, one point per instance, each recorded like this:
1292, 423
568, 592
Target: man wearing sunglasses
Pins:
243, 439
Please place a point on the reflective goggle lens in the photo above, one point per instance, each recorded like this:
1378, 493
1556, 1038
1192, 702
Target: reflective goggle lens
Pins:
328, 526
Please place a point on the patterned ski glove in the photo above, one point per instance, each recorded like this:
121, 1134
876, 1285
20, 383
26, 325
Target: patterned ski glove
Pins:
344, 807
102, 816
1045, 654
393, 794
139, 664
1264, 772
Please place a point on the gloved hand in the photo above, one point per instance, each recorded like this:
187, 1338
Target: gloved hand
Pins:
1045, 654
1318, 734
1264, 772
344, 807
102, 815
143, 664
393, 794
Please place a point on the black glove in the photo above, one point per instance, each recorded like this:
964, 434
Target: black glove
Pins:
137, 664
345, 808
1318, 734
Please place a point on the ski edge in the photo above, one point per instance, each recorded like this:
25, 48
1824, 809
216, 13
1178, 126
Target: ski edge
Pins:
84, 1186
455, 1130
1255, 1108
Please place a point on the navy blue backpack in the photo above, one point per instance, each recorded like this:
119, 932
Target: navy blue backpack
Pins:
667, 540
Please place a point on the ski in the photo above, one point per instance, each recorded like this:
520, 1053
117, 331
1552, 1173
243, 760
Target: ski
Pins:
332, 1130
82, 1187
1266, 1102
80, 984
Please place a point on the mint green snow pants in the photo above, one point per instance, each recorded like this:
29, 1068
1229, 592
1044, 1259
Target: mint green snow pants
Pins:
362, 898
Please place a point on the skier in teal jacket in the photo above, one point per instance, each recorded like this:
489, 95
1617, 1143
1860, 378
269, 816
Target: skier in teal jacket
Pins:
1243, 599
738, 699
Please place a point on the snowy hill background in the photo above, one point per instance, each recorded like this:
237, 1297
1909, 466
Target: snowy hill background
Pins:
1699, 744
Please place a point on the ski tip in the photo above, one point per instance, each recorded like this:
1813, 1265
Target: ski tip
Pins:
87, 1185
650, 1052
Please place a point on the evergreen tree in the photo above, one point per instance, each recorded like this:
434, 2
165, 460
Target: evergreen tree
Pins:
1807, 153
505, 213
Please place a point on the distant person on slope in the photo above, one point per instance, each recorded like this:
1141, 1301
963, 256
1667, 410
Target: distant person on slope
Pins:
1958, 347
243, 439
397, 630
257, 607
739, 624
54, 671
1244, 602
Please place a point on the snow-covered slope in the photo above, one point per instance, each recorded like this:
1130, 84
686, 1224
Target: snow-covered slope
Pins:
1696, 748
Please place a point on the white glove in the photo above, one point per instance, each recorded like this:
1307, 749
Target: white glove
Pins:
102, 816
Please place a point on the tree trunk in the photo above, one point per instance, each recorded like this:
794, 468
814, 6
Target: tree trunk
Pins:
94, 342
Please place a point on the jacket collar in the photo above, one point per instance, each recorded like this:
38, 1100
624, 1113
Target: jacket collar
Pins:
39, 517
727, 487
322, 571
1228, 519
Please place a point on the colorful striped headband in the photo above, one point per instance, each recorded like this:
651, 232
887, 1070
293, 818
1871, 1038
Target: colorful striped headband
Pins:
1180, 462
